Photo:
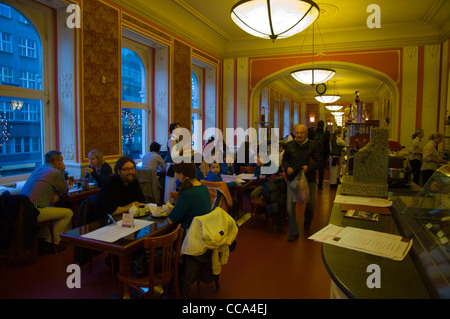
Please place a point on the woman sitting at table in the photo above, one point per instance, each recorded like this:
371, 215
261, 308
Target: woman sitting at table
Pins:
193, 199
98, 169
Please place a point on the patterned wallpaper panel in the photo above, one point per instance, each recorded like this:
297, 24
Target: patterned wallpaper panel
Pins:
182, 90
101, 103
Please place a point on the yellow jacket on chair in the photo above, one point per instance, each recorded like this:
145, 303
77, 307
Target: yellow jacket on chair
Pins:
215, 231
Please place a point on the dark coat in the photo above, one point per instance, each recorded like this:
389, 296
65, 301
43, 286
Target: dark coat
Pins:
297, 155
274, 193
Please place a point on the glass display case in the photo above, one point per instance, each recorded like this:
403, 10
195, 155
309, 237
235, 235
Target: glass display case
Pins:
426, 219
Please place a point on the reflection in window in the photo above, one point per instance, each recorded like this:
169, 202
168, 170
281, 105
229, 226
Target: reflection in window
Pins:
133, 104
196, 114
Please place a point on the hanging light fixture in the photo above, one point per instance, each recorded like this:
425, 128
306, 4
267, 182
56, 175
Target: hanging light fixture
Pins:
328, 98
334, 107
337, 113
274, 19
313, 75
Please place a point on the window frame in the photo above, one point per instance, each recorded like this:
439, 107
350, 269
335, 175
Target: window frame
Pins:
145, 53
41, 18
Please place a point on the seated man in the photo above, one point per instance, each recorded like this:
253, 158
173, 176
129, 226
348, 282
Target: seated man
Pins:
43, 187
121, 190
153, 160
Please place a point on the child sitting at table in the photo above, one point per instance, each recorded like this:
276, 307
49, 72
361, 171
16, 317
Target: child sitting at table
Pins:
214, 175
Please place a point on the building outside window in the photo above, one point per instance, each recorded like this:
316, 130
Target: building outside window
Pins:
134, 104
21, 109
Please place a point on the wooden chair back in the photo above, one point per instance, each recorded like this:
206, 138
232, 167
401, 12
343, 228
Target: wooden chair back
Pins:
168, 247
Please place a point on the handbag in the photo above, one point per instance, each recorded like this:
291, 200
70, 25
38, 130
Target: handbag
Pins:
300, 189
140, 262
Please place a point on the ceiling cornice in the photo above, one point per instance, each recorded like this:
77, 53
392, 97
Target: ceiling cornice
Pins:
202, 18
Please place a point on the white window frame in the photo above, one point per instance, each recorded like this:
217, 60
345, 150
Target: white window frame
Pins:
6, 42
42, 19
145, 54
27, 48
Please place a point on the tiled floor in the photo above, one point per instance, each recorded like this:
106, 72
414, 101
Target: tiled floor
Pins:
264, 265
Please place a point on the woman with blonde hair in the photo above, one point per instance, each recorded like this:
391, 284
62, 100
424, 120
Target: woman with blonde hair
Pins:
98, 169
431, 156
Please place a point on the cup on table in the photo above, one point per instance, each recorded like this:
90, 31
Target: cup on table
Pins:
141, 210
70, 181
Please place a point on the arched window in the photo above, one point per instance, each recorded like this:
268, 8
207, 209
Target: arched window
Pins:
134, 104
22, 96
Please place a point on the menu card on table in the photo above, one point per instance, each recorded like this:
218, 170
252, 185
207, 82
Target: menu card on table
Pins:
368, 241
112, 233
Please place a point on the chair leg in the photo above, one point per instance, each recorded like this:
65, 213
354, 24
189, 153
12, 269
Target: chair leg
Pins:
49, 224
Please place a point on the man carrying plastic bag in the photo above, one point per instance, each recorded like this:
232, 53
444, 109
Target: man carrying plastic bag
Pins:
302, 156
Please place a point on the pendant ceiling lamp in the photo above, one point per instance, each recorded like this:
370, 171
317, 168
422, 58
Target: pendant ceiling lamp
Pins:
328, 98
333, 107
274, 19
313, 75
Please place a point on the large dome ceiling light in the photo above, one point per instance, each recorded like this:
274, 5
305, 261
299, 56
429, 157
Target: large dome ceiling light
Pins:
313, 75
274, 19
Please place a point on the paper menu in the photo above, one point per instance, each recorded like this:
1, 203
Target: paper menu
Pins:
112, 233
372, 242
368, 201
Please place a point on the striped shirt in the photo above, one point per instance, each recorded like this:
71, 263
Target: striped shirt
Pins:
43, 183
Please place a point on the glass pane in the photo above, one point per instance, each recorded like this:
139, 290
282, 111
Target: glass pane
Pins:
133, 77
196, 132
195, 91
20, 135
133, 128
20, 52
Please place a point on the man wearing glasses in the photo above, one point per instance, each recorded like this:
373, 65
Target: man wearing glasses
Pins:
121, 190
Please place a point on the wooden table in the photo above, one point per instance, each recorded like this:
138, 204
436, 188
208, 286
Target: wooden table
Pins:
74, 199
123, 247
238, 192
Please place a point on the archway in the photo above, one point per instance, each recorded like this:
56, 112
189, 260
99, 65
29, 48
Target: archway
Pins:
393, 88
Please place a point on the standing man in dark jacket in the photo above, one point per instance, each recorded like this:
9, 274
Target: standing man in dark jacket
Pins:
301, 155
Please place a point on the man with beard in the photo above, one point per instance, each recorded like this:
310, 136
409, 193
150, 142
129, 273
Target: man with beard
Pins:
121, 190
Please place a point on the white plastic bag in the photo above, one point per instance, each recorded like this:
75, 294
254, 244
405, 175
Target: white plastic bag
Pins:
300, 189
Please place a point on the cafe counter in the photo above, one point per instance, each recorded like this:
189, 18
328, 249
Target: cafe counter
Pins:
351, 271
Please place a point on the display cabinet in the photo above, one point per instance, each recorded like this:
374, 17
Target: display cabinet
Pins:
426, 219
358, 133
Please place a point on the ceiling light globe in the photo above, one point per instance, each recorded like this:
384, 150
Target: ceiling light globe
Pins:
327, 98
274, 19
313, 76
334, 107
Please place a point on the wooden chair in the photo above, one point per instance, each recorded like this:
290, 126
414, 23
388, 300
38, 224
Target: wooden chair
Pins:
247, 169
257, 206
219, 194
49, 224
170, 245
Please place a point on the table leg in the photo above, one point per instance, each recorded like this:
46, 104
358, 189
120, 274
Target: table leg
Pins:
125, 263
